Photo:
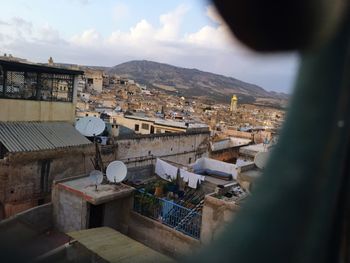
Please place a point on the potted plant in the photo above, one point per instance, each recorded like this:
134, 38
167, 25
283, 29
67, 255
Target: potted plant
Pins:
159, 187
172, 186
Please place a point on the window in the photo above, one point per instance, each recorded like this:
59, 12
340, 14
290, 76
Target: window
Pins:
44, 176
145, 126
190, 160
137, 127
3, 151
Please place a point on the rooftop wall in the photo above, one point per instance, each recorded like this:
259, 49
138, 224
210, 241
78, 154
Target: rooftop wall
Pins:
31, 110
216, 214
160, 237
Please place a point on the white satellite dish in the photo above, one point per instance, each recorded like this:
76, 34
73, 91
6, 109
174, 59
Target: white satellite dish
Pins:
96, 177
260, 159
116, 172
90, 126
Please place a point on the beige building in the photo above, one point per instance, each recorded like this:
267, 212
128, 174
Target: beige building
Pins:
38, 142
144, 125
94, 79
30, 92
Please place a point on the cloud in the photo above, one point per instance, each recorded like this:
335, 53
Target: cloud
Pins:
171, 23
47, 33
89, 37
3, 23
214, 15
210, 48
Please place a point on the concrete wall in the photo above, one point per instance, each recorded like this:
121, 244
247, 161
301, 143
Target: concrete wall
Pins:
179, 148
30, 110
69, 211
130, 123
226, 155
216, 215
160, 237
139, 173
117, 214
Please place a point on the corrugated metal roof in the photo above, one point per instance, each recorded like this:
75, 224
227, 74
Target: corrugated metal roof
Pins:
37, 136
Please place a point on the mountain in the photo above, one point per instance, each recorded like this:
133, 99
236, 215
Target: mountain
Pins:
192, 82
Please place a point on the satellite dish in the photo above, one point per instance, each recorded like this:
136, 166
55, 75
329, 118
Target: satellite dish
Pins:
260, 159
90, 126
96, 177
116, 172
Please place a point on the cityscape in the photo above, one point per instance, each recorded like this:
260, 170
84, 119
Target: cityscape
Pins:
88, 153
174, 131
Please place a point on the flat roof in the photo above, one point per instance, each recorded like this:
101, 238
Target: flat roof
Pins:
168, 123
105, 192
230, 142
252, 150
113, 246
31, 67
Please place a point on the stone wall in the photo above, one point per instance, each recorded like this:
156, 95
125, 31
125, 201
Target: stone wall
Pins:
216, 214
160, 237
21, 185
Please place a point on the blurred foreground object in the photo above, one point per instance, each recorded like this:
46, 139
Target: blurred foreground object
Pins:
299, 210
272, 25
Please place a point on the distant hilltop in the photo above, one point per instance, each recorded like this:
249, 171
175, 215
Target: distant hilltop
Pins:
196, 83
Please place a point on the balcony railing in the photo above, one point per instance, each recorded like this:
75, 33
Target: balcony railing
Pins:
169, 213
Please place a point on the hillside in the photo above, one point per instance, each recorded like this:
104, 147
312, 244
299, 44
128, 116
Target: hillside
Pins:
192, 82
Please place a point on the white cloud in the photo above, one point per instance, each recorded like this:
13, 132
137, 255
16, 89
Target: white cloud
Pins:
89, 37
210, 48
47, 33
171, 23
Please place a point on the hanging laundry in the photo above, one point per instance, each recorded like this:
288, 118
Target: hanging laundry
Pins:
166, 171
184, 175
192, 179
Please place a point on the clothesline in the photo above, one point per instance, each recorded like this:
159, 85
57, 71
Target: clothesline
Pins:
169, 172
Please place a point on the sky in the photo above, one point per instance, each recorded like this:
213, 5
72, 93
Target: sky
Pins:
187, 33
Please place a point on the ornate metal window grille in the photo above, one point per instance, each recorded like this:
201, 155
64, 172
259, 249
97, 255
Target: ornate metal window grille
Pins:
36, 86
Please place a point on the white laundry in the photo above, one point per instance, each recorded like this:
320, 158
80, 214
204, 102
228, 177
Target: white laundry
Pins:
165, 170
184, 175
192, 178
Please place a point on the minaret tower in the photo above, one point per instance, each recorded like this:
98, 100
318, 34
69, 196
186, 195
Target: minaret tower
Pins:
233, 106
